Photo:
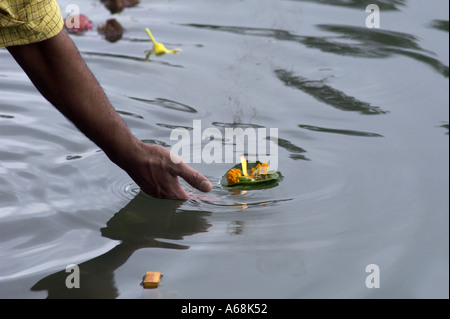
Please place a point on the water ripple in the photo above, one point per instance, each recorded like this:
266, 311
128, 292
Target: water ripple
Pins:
370, 43
439, 25
123, 188
338, 131
167, 104
126, 57
327, 94
358, 4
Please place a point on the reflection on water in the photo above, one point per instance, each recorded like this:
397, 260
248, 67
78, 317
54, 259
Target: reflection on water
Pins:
379, 43
236, 124
339, 131
167, 104
155, 142
294, 150
440, 25
143, 223
126, 57
146, 218
362, 119
327, 94
369, 43
358, 4
446, 126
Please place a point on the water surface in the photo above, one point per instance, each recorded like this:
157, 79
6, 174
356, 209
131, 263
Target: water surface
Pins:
363, 123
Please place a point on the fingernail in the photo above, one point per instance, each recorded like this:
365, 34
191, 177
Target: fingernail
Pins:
205, 186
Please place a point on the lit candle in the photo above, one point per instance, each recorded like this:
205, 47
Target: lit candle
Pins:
244, 165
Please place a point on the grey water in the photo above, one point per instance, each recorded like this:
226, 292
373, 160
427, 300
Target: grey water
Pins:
363, 145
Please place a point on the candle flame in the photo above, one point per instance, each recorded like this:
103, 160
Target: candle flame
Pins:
244, 165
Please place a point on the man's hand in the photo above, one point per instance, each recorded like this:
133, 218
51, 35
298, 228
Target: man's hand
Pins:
59, 72
152, 168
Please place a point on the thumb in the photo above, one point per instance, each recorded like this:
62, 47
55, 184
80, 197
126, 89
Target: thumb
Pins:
194, 178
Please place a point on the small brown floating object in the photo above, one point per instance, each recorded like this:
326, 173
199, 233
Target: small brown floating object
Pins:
112, 30
116, 6
152, 279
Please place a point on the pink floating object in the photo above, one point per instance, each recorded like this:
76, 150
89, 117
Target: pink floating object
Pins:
78, 23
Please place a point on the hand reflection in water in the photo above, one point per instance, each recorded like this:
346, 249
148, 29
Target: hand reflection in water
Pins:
137, 225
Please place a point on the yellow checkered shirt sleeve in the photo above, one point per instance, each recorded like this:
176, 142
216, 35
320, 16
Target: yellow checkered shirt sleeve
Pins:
28, 21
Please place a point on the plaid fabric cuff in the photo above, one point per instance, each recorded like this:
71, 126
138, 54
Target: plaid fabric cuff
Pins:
28, 21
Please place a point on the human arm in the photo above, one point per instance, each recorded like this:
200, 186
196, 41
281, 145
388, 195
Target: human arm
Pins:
60, 74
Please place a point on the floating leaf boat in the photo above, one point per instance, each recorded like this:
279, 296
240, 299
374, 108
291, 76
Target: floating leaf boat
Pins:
251, 176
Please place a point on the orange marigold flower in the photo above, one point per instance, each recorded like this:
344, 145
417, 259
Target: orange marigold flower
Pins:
233, 175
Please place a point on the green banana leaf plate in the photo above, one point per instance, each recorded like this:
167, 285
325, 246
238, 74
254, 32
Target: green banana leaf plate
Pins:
269, 180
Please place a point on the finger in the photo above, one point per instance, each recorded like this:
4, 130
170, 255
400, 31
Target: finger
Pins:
170, 189
194, 178
175, 191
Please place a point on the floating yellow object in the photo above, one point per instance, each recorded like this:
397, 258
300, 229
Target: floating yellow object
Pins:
233, 175
152, 279
159, 48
